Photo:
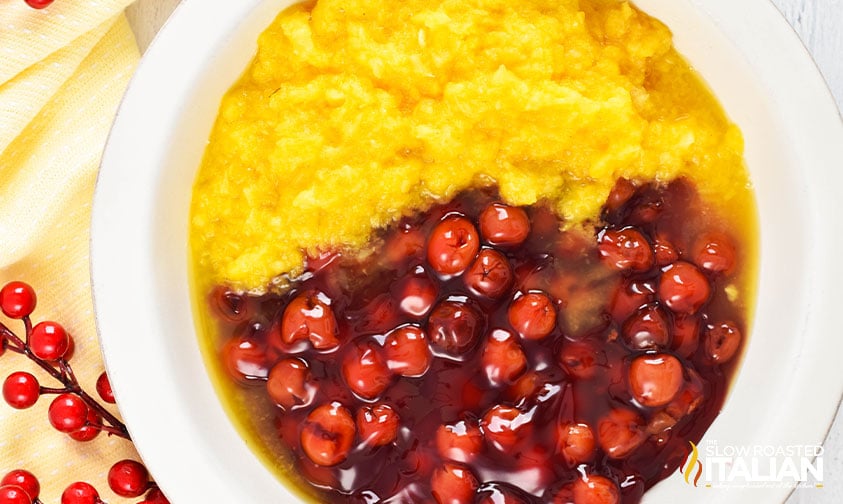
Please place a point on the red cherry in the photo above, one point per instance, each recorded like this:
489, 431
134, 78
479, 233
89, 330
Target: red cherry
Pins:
244, 360
24, 480
625, 249
104, 388
90, 430
503, 225
49, 341
505, 426
452, 245
290, 384
683, 288
576, 443
582, 359
327, 434
722, 341
13, 494
128, 478
686, 335
500, 493
454, 328
629, 297
715, 252
655, 379
490, 275
39, 4
503, 358
228, 305
365, 371
80, 493
461, 441
647, 328
416, 293
155, 496
453, 484
377, 425
17, 300
620, 194
532, 315
665, 252
620, 432
591, 489
67, 413
21, 390
689, 399
407, 351
309, 316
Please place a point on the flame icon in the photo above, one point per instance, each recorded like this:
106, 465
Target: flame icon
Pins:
692, 461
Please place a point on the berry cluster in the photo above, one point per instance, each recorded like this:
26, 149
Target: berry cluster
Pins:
72, 411
481, 353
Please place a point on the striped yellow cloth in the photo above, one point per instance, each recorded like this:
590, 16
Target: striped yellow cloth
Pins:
63, 71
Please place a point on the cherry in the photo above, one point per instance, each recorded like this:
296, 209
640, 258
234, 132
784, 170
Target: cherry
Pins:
576, 443
582, 359
683, 288
39, 4
454, 328
665, 252
453, 484
229, 305
504, 225
591, 489
629, 297
49, 341
625, 249
290, 384
155, 496
714, 252
407, 351
532, 315
655, 379
686, 335
504, 426
309, 316
620, 432
417, 293
17, 300
21, 390
461, 441
80, 493
620, 194
13, 494
244, 359
24, 480
377, 425
67, 413
452, 245
503, 358
365, 371
406, 243
500, 493
648, 328
104, 388
722, 341
327, 434
128, 478
490, 275
90, 430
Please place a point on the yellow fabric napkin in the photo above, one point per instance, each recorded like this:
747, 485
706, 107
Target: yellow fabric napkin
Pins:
63, 71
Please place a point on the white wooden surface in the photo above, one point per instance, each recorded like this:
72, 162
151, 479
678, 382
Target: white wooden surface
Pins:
819, 24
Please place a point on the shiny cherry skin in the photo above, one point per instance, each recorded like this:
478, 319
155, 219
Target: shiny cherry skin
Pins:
13, 494
90, 430
17, 300
504, 225
683, 288
454, 328
715, 252
128, 478
452, 246
655, 379
229, 306
244, 360
647, 328
453, 484
417, 294
67, 413
39, 4
328, 434
629, 297
665, 252
625, 250
591, 489
532, 315
490, 275
21, 390
407, 351
49, 341
461, 441
722, 341
80, 493
576, 443
503, 358
290, 385
309, 316
365, 370
104, 388
377, 425
620, 432
23, 479
504, 426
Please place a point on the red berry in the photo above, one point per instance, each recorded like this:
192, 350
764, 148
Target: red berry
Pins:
128, 478
665, 252
532, 315
80, 493
39, 4
576, 443
309, 316
501, 493
229, 305
407, 351
504, 225
582, 359
655, 379
461, 441
23, 479
290, 384
17, 300
68, 413
452, 246
629, 297
377, 425
454, 328
683, 288
620, 432
49, 341
505, 426
365, 371
104, 388
722, 341
91, 428
416, 293
490, 275
591, 489
155, 496
244, 359
648, 328
21, 390
327, 434
620, 194
13, 494
625, 249
686, 335
503, 358
715, 253
453, 484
